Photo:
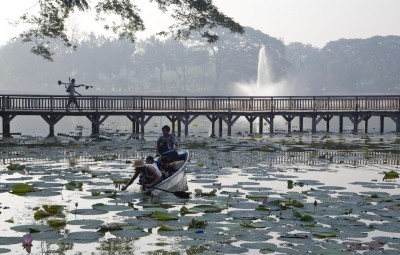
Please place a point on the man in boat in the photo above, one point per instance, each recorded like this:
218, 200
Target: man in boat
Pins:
150, 161
166, 168
149, 175
167, 144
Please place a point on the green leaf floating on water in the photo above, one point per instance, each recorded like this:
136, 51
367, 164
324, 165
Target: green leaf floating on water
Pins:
56, 223
391, 175
16, 167
72, 185
325, 234
307, 218
53, 209
164, 216
21, 188
184, 210
41, 214
197, 223
164, 227
253, 225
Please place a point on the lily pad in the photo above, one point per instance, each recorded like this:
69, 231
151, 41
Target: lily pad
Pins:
20, 188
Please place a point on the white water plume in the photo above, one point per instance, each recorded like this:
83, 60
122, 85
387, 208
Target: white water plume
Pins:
264, 86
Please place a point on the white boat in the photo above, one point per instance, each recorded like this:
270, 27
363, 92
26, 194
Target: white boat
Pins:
177, 181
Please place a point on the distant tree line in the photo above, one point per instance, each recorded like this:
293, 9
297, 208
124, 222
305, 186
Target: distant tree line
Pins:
192, 67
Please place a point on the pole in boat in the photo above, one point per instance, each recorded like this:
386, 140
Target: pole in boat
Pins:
180, 194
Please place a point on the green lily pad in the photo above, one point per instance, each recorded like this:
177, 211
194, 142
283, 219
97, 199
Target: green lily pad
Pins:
324, 234
391, 175
4, 250
56, 223
20, 188
4, 240
164, 216
31, 228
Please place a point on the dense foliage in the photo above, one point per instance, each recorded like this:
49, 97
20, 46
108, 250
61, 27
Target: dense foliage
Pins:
189, 15
194, 66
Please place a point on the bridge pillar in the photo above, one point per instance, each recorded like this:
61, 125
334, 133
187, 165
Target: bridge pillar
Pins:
213, 119
261, 125
382, 123
396, 120
186, 120
341, 124
301, 123
52, 120
6, 124
271, 124
229, 124
314, 123
289, 119
251, 119
327, 118
96, 122
355, 119
366, 118
220, 127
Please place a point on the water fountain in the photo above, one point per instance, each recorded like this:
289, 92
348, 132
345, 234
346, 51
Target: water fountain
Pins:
264, 85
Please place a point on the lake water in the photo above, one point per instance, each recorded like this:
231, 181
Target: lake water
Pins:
265, 187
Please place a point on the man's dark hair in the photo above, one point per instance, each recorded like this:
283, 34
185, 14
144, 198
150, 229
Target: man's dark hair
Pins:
166, 127
150, 158
164, 159
73, 80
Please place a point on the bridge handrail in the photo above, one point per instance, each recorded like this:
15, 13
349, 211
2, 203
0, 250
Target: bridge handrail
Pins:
16, 102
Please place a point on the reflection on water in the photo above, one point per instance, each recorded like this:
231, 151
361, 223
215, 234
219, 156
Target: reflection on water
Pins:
341, 171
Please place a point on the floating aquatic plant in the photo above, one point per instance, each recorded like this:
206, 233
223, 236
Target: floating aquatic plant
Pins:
16, 167
163, 227
56, 223
72, 185
193, 223
390, 175
20, 188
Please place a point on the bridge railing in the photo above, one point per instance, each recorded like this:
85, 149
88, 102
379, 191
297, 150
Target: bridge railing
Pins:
202, 103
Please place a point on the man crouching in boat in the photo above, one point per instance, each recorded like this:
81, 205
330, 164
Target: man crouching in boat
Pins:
149, 175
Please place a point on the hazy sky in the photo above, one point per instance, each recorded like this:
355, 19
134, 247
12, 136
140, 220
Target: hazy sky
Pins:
313, 22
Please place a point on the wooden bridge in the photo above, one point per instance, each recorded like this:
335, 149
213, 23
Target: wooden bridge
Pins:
182, 110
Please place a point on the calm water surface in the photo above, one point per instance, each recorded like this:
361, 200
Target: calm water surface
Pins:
339, 171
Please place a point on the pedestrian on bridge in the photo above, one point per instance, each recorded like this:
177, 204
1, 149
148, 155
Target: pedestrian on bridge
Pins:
72, 94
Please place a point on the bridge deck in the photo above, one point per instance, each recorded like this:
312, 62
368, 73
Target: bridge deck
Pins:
184, 109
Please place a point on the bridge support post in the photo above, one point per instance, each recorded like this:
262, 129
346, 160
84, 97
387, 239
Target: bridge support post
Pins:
270, 120
213, 119
96, 122
220, 127
289, 119
327, 118
382, 123
341, 124
314, 123
186, 120
355, 119
251, 119
398, 124
229, 124
366, 118
6, 124
301, 123
261, 125
396, 120
173, 120
52, 120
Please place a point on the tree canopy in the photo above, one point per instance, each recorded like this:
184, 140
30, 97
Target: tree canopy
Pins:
190, 16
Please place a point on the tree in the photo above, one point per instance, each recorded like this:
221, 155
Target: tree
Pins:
199, 16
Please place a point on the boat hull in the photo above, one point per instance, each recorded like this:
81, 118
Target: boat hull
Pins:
176, 182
